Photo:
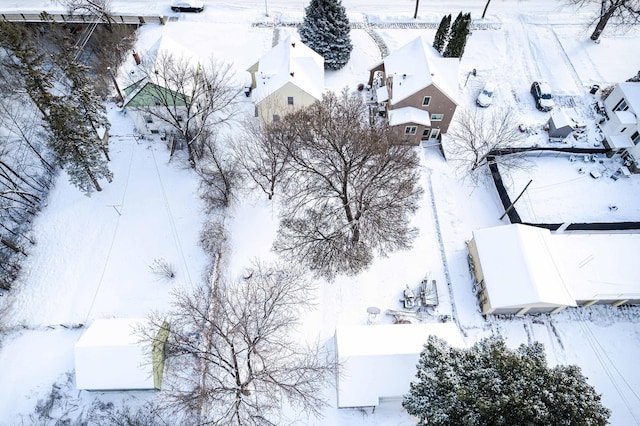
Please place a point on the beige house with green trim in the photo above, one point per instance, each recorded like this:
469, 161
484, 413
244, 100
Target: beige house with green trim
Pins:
142, 97
417, 90
289, 76
112, 355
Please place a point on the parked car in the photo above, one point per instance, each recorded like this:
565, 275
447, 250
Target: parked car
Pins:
486, 94
542, 94
187, 6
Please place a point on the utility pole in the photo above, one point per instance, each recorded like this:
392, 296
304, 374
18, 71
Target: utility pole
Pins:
514, 202
415, 14
485, 8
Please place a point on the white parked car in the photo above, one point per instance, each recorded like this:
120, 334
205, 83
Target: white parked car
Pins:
187, 6
486, 94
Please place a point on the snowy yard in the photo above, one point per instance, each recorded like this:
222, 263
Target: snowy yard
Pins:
93, 254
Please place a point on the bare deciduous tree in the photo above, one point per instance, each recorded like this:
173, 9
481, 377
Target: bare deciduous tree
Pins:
623, 12
193, 96
353, 187
230, 356
220, 175
263, 156
478, 135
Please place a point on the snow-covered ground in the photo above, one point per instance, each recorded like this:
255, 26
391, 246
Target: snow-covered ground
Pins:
93, 254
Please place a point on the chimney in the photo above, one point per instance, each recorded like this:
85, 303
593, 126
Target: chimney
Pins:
136, 57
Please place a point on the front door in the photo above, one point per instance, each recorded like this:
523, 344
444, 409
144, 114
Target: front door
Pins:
434, 134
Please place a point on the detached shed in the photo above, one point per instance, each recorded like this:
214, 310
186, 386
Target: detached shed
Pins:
560, 125
111, 356
379, 361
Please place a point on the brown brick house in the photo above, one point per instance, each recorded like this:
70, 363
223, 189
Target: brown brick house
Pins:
418, 90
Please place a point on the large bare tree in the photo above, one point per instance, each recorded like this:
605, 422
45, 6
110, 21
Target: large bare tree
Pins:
263, 156
351, 187
622, 12
231, 357
191, 96
477, 136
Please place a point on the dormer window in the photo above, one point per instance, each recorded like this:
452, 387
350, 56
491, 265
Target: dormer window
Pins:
621, 106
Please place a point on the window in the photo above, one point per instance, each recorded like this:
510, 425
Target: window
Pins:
410, 130
437, 117
156, 101
290, 100
621, 106
426, 101
148, 119
179, 118
276, 118
635, 137
425, 133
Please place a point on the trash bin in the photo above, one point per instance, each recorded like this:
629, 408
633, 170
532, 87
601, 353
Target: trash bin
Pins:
594, 89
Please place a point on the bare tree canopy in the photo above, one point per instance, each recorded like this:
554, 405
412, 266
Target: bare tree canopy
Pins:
476, 134
231, 358
351, 190
622, 12
194, 96
263, 156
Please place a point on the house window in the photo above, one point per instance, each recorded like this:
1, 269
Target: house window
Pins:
621, 106
156, 101
410, 130
425, 133
255, 112
437, 117
179, 118
426, 101
276, 118
148, 119
635, 137
290, 100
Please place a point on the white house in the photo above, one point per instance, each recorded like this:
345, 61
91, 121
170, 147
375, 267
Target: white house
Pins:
379, 361
146, 101
289, 76
110, 355
521, 269
622, 126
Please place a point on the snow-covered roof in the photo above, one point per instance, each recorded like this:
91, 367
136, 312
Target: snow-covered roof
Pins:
110, 355
619, 141
380, 360
520, 267
600, 266
168, 46
290, 61
631, 90
417, 65
626, 117
560, 119
409, 115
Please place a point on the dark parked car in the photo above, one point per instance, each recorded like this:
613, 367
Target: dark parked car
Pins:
187, 6
542, 94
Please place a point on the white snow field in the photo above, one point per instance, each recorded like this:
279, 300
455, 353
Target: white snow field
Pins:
93, 253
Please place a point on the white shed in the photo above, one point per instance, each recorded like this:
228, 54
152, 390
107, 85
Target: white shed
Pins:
110, 355
379, 361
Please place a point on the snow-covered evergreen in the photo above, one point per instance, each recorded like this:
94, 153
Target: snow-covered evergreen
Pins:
326, 30
491, 384
442, 34
458, 37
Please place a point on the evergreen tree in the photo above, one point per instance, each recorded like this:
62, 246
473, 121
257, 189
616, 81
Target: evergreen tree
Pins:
490, 384
326, 29
442, 34
70, 109
458, 39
